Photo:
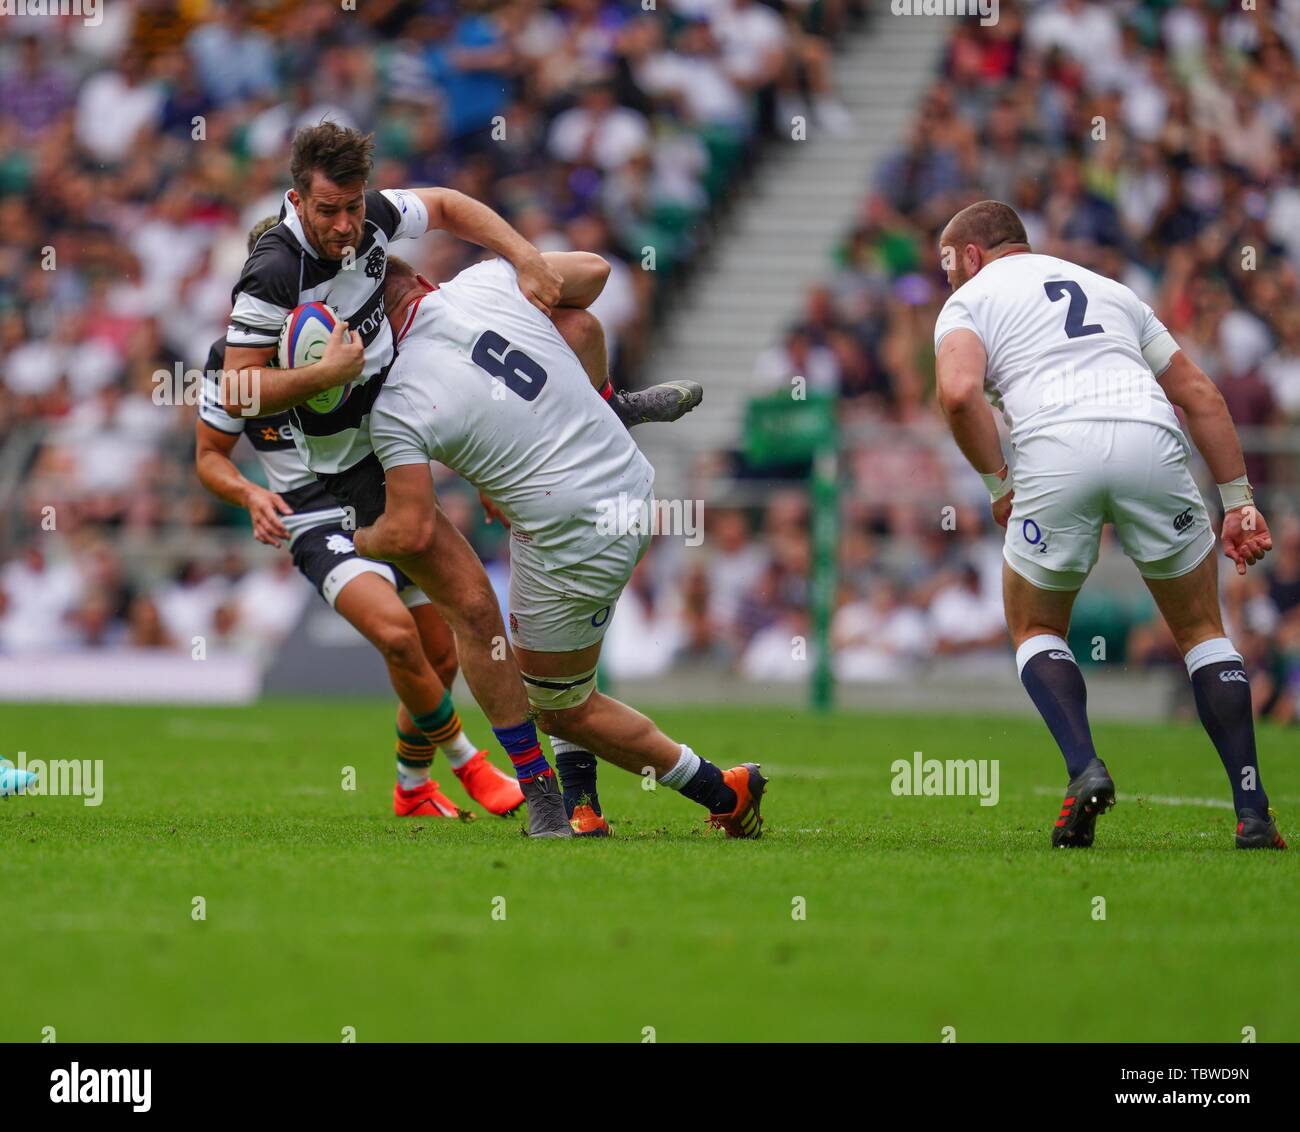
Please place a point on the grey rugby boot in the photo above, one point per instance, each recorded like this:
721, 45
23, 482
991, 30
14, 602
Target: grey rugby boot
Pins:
546, 814
667, 402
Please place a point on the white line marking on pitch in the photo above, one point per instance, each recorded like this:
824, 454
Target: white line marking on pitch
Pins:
1159, 799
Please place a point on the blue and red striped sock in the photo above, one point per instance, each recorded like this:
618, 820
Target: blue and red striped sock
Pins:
520, 743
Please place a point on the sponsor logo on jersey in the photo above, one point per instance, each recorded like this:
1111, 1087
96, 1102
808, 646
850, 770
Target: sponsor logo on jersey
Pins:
375, 263
1183, 521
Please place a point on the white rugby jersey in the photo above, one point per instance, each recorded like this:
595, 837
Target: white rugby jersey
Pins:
485, 384
1063, 344
285, 271
272, 442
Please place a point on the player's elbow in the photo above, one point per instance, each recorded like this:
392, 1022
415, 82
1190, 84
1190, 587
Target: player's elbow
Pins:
959, 393
412, 538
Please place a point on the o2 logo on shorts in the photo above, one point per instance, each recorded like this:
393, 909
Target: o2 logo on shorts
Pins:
1033, 534
599, 617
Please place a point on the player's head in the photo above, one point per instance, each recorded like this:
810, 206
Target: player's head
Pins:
260, 229
402, 284
329, 167
976, 236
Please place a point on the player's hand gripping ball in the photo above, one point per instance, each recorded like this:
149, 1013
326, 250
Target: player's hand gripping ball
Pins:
303, 337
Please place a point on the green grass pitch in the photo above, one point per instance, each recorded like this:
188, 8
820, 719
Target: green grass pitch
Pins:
324, 912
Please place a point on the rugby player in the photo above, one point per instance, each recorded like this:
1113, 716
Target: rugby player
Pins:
379, 601
331, 245
485, 384
1087, 378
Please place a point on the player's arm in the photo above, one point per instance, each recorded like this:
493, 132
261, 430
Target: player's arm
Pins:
405, 529
219, 474
472, 221
1246, 537
252, 387
960, 367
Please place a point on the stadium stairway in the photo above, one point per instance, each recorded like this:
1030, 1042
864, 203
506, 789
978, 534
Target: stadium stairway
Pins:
779, 240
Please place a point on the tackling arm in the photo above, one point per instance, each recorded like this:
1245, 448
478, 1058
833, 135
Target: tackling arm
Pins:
474, 222
405, 529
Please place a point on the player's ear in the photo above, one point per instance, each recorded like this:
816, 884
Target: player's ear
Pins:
295, 200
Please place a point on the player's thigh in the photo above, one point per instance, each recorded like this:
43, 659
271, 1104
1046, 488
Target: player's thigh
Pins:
558, 619
1189, 603
1054, 532
1032, 611
560, 685
1159, 515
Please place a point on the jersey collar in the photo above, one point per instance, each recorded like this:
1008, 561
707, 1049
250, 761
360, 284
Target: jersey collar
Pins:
290, 220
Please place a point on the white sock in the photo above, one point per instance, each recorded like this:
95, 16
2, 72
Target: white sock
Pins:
459, 751
1210, 652
683, 771
1043, 642
564, 747
409, 777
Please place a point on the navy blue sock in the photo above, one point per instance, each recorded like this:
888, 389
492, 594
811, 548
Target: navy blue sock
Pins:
708, 789
1056, 686
520, 743
1223, 703
577, 771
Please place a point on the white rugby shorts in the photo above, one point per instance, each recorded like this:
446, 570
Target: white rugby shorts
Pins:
1073, 477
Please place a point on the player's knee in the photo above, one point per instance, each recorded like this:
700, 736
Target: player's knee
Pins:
479, 616
399, 644
579, 328
447, 666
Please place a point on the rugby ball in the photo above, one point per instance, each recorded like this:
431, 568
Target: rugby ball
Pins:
302, 342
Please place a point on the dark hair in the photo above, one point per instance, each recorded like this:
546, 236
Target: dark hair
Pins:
344, 156
260, 229
987, 224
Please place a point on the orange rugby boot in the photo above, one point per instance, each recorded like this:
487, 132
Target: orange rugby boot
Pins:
493, 789
745, 820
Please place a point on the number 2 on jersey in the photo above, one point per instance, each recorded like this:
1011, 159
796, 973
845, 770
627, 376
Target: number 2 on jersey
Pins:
513, 368
1074, 324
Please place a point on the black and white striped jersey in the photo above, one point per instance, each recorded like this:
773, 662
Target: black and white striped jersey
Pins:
273, 443
284, 271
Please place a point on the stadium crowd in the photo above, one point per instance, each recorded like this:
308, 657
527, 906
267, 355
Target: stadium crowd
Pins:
1152, 141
